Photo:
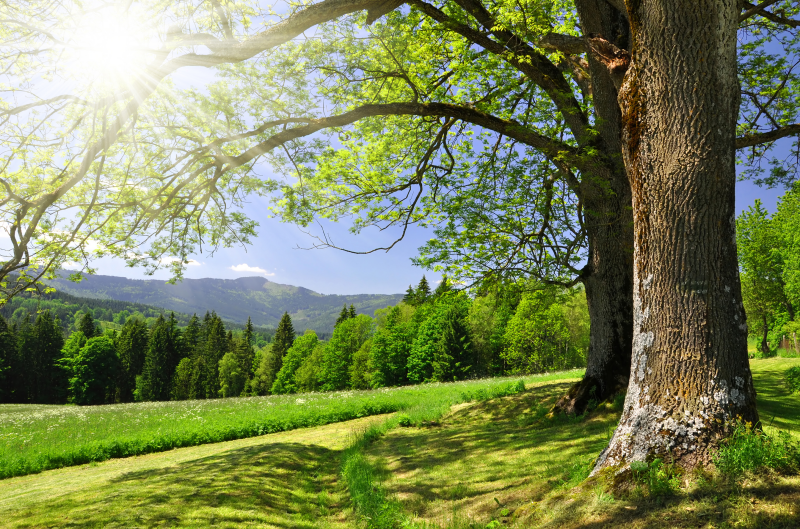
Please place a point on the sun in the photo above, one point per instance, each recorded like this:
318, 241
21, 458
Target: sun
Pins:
108, 48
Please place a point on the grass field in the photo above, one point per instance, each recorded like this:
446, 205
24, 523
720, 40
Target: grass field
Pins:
36, 438
500, 463
497, 463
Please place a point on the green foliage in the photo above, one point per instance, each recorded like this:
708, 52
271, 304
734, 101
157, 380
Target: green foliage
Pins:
539, 337
182, 382
759, 245
94, 372
659, 478
264, 377
284, 337
749, 450
132, 347
347, 339
307, 376
87, 326
362, 370
391, 348
164, 351
792, 377
301, 349
231, 376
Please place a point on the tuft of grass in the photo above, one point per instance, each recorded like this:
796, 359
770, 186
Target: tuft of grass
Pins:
792, 377
659, 479
750, 450
37, 438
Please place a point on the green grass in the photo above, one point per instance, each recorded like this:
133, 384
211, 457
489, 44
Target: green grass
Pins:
284, 480
497, 463
37, 438
504, 463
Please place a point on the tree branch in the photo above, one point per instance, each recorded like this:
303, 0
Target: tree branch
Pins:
765, 137
761, 9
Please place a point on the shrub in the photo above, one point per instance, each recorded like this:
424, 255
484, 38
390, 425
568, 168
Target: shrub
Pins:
749, 449
660, 479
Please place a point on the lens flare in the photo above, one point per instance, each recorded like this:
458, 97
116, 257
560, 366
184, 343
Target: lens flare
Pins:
108, 48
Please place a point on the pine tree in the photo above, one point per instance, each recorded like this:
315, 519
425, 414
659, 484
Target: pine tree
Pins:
352, 313
343, 316
192, 334
423, 291
49, 379
244, 350
216, 345
410, 298
284, 338
132, 348
88, 326
154, 382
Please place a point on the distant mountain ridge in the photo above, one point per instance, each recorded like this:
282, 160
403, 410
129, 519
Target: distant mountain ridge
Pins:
232, 299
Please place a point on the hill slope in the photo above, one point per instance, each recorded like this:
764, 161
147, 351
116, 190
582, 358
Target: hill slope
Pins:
233, 299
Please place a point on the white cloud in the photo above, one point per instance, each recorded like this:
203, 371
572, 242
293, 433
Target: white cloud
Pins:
244, 267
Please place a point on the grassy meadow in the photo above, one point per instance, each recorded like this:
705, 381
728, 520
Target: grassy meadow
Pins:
36, 438
484, 464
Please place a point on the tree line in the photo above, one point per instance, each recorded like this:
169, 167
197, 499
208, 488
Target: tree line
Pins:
431, 336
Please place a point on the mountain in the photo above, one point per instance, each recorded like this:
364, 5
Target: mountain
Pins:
233, 299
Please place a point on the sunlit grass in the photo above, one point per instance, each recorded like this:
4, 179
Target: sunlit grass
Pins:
36, 438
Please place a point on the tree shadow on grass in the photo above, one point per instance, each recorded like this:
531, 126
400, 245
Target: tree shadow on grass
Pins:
283, 485
488, 457
768, 506
777, 406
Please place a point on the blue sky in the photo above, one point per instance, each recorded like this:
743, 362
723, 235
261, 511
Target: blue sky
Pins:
332, 271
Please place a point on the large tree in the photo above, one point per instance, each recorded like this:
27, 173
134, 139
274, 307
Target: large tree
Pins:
434, 95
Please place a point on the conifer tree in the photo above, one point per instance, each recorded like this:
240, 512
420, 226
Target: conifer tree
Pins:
343, 316
154, 382
284, 338
192, 334
423, 291
352, 313
88, 326
48, 378
132, 348
215, 347
410, 296
244, 350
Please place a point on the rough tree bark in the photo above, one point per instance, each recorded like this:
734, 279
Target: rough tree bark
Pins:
690, 374
608, 275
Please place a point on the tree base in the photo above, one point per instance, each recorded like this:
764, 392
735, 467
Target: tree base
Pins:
586, 391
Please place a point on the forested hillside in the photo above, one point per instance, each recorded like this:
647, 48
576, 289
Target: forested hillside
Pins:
430, 336
233, 300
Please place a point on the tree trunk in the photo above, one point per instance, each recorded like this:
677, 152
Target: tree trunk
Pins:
608, 276
764, 344
689, 372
